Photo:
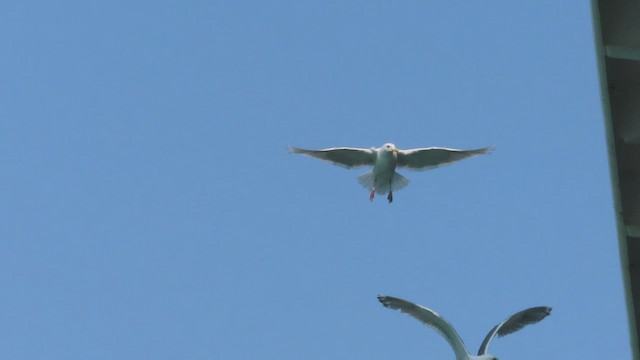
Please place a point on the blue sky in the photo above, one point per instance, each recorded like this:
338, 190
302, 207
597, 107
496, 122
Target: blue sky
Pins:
151, 211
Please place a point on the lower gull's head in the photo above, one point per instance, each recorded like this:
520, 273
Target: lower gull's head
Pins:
389, 147
485, 357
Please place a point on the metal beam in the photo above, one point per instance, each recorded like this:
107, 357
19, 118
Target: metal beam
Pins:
622, 52
602, 53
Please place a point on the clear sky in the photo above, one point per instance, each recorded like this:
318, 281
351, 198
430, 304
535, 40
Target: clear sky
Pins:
150, 209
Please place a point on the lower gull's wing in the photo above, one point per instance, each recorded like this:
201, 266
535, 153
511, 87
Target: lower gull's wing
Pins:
342, 156
429, 158
431, 319
514, 323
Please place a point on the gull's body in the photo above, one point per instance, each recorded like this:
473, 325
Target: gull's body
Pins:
383, 177
430, 318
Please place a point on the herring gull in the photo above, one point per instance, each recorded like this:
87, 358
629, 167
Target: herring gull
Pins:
383, 178
432, 319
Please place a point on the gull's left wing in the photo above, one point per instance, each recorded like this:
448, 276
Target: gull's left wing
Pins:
431, 319
341, 156
429, 158
514, 323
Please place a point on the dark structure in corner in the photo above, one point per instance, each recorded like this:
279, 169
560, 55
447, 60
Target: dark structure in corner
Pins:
616, 26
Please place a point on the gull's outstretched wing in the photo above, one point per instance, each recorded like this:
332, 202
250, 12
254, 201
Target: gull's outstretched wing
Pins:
431, 319
342, 156
514, 323
429, 158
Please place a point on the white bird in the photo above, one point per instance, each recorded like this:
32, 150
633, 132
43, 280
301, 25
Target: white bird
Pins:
383, 177
430, 318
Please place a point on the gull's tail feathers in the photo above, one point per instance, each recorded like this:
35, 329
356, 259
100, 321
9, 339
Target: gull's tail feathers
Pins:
368, 181
399, 181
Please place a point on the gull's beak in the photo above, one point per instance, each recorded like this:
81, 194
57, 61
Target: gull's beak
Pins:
395, 150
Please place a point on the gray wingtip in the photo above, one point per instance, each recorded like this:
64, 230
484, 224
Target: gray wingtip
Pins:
526, 317
488, 149
542, 311
383, 300
293, 149
546, 310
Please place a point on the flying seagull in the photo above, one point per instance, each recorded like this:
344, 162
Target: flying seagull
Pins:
383, 178
432, 319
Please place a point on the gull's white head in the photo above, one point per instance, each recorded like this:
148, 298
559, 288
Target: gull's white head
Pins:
485, 357
389, 147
